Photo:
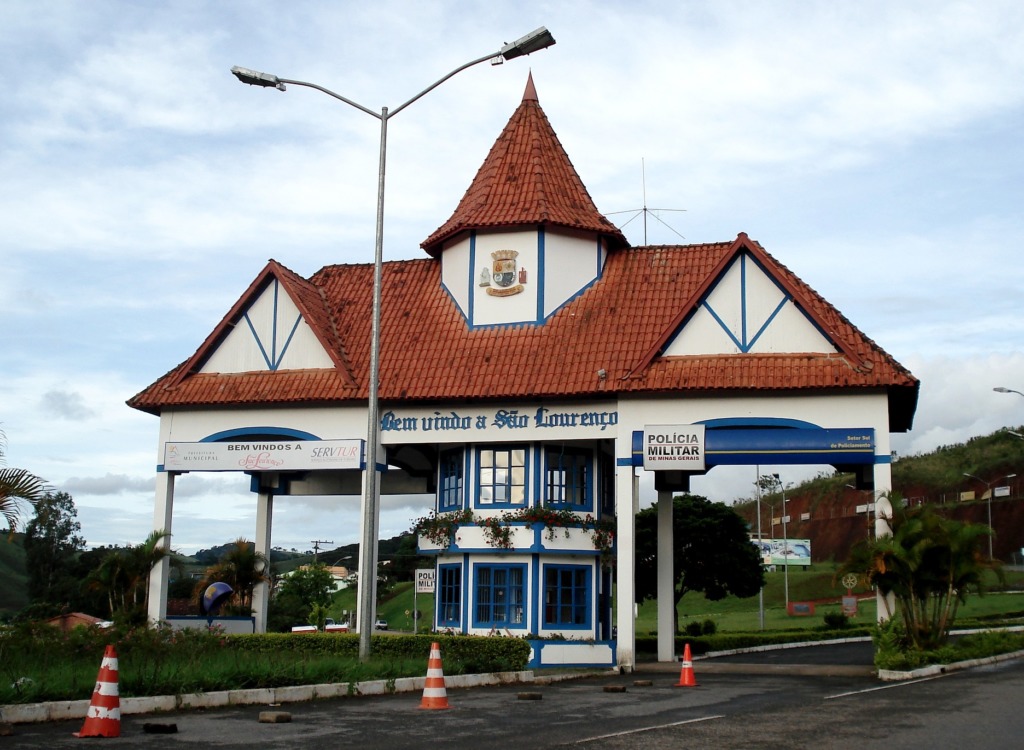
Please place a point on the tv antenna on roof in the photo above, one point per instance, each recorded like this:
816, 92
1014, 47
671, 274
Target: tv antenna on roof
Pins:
645, 210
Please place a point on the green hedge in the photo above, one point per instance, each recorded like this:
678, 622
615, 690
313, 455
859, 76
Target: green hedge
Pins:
39, 663
460, 654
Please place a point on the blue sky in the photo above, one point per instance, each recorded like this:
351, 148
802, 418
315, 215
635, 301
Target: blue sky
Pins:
874, 148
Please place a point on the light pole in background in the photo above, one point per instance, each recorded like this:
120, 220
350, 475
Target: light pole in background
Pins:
534, 41
785, 541
988, 488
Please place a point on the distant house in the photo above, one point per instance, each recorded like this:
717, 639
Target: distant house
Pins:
342, 576
71, 620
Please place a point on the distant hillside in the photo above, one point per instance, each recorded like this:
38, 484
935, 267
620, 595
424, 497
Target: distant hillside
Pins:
824, 509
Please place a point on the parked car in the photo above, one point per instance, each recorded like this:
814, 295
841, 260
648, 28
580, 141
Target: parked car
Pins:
380, 624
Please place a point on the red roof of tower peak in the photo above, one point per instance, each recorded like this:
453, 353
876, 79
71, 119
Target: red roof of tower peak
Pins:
527, 179
530, 95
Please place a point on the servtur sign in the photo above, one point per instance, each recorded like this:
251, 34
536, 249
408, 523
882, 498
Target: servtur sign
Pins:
674, 447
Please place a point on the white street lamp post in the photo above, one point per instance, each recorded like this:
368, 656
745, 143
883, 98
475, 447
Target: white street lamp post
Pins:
988, 489
785, 542
534, 41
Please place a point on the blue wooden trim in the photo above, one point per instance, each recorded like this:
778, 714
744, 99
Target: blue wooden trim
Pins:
241, 432
256, 337
588, 587
536, 601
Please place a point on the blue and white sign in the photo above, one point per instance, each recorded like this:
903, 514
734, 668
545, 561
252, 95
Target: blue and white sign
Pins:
674, 447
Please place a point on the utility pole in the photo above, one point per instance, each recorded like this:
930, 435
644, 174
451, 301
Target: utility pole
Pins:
316, 547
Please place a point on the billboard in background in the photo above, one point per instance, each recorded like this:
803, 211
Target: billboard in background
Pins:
784, 551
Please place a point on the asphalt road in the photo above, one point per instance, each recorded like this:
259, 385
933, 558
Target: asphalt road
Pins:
977, 708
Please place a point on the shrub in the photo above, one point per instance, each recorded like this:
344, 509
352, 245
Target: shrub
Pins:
836, 621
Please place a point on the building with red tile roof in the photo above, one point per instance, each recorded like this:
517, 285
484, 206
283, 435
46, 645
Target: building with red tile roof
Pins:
526, 363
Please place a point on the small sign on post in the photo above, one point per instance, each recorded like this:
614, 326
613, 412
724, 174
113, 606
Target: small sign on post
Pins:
424, 580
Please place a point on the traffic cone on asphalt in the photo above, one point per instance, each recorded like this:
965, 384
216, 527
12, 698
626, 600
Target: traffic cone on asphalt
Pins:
686, 678
434, 694
103, 719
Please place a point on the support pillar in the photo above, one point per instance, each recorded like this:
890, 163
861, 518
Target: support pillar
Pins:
666, 582
883, 516
264, 524
626, 502
163, 511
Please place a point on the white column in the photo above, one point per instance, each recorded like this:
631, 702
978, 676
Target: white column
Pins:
163, 510
366, 579
264, 522
883, 514
666, 579
625, 586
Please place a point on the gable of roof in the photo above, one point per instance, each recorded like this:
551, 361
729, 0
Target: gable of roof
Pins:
813, 306
306, 297
527, 179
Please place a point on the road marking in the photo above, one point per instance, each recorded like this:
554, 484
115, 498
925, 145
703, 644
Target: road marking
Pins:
883, 687
647, 729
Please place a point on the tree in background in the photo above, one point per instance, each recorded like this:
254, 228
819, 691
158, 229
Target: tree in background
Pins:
17, 485
308, 587
712, 552
242, 568
929, 565
52, 545
123, 577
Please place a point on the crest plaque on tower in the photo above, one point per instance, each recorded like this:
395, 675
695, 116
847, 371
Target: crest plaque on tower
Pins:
506, 277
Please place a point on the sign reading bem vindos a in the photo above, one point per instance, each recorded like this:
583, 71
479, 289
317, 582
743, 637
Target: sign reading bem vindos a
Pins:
264, 455
674, 447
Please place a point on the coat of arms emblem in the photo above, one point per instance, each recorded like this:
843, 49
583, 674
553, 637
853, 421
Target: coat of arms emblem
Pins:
506, 278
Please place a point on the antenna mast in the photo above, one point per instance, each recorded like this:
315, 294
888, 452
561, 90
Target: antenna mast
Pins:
645, 210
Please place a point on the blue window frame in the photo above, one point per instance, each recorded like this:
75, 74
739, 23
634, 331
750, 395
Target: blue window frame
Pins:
501, 476
450, 480
449, 596
500, 596
569, 479
567, 596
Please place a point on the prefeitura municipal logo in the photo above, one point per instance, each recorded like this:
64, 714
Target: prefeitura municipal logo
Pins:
506, 277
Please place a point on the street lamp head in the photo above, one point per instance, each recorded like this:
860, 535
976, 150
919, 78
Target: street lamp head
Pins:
536, 40
1000, 389
255, 78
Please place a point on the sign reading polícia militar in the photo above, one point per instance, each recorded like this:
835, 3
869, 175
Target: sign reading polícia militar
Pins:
674, 447
264, 455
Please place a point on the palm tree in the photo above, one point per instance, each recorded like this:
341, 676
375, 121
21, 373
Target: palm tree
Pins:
17, 485
123, 575
242, 568
929, 565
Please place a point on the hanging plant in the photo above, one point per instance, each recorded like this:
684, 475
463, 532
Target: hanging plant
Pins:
439, 528
496, 530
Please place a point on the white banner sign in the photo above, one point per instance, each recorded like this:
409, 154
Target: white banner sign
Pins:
674, 447
424, 580
264, 455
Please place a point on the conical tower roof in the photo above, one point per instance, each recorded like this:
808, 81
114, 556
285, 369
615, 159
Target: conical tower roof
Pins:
526, 179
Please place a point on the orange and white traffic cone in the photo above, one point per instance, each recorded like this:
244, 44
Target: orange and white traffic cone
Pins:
686, 678
434, 694
103, 719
